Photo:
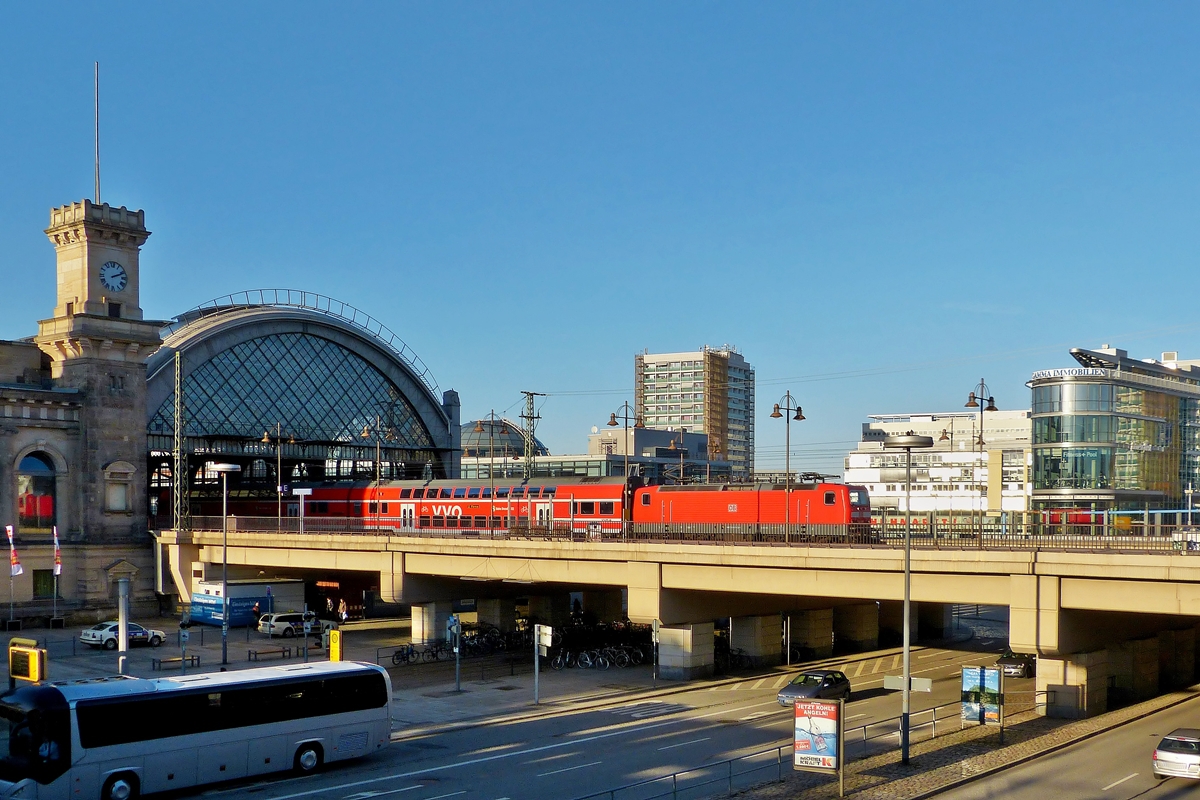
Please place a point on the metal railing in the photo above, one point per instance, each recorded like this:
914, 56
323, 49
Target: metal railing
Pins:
1026, 536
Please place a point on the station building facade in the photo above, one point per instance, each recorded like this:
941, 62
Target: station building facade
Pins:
1116, 433
291, 386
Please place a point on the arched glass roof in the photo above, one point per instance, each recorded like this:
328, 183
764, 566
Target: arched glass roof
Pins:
506, 437
313, 388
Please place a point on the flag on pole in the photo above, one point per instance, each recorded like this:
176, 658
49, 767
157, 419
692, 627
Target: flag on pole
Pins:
57, 554
14, 563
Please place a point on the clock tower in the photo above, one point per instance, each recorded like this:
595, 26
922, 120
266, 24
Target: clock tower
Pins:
98, 344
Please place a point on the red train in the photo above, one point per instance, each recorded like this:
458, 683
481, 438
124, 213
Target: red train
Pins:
583, 504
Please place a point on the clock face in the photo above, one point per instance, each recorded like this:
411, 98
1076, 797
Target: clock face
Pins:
113, 276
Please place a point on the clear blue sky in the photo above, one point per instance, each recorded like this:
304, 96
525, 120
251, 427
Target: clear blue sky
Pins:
878, 203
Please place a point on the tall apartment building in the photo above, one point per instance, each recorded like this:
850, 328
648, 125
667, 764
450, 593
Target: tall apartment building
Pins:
710, 391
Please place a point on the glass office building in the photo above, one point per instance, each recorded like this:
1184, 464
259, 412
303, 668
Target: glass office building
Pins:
1115, 432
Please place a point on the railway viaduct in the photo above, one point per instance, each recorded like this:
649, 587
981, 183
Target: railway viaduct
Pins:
1095, 619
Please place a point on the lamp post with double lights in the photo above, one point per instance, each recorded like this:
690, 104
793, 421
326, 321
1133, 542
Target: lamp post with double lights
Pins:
224, 470
380, 433
783, 410
625, 416
907, 442
266, 439
975, 400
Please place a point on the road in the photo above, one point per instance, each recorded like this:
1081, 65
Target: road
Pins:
1112, 766
574, 754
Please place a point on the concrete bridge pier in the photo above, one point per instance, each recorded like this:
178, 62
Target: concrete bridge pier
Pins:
1133, 665
499, 613
856, 627
429, 621
760, 637
812, 633
934, 620
685, 652
1074, 686
891, 620
550, 609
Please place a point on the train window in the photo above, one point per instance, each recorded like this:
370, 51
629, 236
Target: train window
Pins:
383, 506
645, 498
405, 494
445, 493
322, 507
358, 509
417, 493
830, 498
496, 522
439, 522
487, 492
460, 493
481, 522
518, 491
502, 492
372, 508
585, 508
423, 522
548, 491
534, 491
606, 509
473, 494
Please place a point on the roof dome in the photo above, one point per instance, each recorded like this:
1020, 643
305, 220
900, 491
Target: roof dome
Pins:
506, 437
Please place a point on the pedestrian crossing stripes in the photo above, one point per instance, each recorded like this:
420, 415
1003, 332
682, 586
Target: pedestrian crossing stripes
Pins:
652, 708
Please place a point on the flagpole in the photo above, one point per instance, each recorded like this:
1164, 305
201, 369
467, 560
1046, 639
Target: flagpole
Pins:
57, 569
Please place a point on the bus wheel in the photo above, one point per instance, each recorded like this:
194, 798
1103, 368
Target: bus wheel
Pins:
122, 786
308, 758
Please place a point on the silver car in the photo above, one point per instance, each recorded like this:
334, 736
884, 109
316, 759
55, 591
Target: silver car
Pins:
1178, 754
816, 684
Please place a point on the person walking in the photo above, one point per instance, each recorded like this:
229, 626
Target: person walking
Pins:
343, 610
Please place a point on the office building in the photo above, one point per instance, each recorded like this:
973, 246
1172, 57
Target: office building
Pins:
710, 391
1116, 433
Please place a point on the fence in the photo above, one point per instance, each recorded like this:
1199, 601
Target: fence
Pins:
996, 534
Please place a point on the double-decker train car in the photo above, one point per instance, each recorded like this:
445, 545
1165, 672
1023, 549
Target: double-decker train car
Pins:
753, 504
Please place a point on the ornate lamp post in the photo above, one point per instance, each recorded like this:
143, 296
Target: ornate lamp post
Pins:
266, 439
626, 416
907, 442
786, 405
491, 461
975, 400
224, 470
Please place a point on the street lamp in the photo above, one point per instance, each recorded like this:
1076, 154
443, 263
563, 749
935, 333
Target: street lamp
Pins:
491, 463
637, 423
975, 400
224, 470
907, 442
786, 405
278, 469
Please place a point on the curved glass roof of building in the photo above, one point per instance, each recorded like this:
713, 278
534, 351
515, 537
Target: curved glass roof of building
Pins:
506, 438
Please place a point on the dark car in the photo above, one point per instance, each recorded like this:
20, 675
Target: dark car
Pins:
824, 684
1017, 665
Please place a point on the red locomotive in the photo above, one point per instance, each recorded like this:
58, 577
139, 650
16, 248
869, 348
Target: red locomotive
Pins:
595, 505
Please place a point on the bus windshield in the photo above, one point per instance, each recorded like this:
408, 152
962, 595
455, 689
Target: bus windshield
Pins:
35, 734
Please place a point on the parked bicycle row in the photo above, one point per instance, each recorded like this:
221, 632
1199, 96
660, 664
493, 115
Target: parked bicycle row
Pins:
602, 658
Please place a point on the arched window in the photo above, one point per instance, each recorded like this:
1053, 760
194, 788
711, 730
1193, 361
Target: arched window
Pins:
36, 479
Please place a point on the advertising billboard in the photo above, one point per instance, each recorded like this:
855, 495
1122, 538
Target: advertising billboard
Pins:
982, 695
818, 743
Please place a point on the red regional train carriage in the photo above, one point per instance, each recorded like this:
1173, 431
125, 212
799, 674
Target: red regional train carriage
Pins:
592, 505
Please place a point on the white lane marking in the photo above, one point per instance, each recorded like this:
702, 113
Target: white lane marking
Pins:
369, 794
931, 655
685, 744
564, 769
452, 794
1118, 783
758, 683
855, 716
784, 679
756, 715
875, 668
896, 661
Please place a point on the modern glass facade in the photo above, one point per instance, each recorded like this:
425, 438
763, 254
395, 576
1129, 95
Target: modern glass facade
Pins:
1122, 435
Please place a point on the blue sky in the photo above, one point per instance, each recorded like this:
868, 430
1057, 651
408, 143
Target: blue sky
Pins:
878, 203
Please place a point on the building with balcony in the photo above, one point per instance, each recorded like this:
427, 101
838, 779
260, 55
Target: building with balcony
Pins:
710, 391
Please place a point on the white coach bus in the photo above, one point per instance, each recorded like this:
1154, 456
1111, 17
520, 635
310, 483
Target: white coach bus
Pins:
115, 738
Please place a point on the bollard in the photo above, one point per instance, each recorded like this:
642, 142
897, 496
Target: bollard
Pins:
120, 665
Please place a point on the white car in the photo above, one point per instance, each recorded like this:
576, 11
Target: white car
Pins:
292, 624
105, 635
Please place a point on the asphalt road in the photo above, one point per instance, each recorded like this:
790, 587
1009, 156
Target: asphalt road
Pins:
575, 754
1111, 766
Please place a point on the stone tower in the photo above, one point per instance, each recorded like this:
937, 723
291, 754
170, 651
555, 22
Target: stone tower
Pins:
98, 344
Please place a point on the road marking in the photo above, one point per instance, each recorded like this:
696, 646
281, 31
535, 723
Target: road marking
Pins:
653, 708
861, 666
896, 661
1118, 783
685, 744
854, 716
758, 684
452, 794
931, 655
555, 772
781, 681
756, 715
365, 795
